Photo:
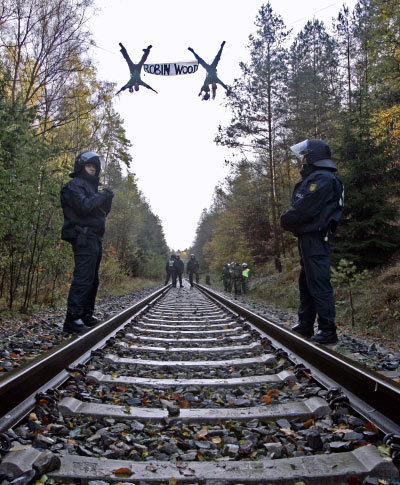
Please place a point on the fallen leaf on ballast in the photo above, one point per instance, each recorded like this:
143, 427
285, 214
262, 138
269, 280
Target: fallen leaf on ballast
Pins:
122, 471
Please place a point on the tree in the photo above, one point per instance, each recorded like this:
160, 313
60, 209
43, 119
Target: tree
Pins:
314, 88
257, 102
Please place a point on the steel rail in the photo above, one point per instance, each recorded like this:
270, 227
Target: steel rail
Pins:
370, 393
17, 388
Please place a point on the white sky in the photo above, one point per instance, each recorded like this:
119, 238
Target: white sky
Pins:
174, 157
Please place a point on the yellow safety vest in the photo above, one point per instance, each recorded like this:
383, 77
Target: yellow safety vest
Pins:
245, 273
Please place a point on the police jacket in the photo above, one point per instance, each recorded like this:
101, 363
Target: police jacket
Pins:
237, 272
192, 266
180, 266
226, 273
171, 265
85, 209
316, 204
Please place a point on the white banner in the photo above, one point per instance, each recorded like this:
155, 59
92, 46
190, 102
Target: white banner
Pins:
171, 68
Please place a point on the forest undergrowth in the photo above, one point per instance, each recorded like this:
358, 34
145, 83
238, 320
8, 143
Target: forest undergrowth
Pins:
375, 297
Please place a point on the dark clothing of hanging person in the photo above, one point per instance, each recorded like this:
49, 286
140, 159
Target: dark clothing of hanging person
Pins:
135, 80
315, 210
212, 78
85, 210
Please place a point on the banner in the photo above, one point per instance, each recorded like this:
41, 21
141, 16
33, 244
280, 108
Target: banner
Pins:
171, 68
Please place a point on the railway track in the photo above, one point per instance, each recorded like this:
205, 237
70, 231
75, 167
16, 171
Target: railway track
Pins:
187, 387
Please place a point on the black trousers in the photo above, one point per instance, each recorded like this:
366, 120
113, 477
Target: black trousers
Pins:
237, 285
174, 275
85, 282
191, 273
227, 284
316, 292
180, 279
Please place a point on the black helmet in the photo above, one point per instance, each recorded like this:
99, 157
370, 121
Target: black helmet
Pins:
316, 152
87, 157
173, 256
192, 256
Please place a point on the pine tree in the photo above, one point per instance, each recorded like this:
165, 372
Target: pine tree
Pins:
257, 104
314, 90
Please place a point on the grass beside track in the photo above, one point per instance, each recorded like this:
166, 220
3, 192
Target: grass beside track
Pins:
112, 289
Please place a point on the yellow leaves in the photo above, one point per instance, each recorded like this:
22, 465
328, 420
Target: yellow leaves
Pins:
203, 432
387, 124
384, 450
217, 440
172, 481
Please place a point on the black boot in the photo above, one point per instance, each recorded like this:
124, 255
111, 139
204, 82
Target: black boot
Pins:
304, 330
74, 325
325, 337
90, 320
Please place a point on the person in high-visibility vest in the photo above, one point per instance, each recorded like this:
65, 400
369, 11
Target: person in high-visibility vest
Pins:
245, 277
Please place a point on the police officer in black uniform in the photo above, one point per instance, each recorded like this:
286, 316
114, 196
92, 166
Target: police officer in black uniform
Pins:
315, 210
192, 267
171, 270
85, 210
180, 268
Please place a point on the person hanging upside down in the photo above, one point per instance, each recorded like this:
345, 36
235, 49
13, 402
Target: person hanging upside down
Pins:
135, 80
211, 78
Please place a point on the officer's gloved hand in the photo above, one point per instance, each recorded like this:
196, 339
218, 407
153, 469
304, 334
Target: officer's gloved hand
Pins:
108, 192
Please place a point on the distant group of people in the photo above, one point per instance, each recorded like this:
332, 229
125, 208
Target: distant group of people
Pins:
236, 276
175, 268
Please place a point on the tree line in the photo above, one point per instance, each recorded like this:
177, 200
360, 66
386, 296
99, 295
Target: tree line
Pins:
340, 84
52, 107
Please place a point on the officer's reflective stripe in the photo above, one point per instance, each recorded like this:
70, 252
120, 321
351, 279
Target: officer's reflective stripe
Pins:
341, 200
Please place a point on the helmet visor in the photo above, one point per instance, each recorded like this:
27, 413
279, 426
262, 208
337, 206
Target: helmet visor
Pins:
300, 149
87, 156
